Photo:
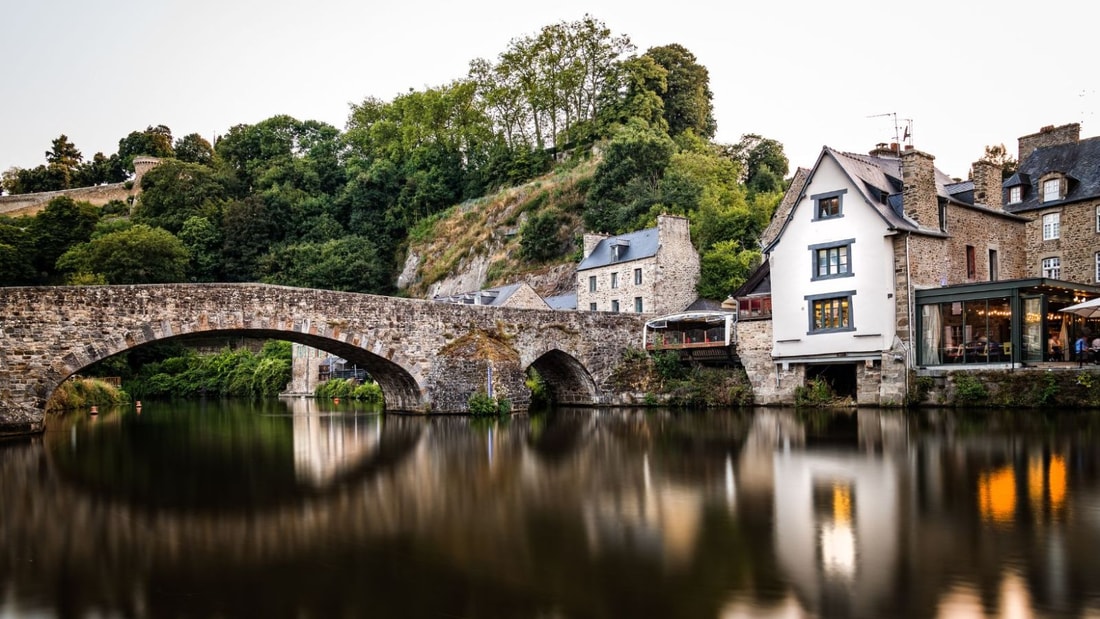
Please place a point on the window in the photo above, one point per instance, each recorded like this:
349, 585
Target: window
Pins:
828, 205
1096, 274
1098, 219
1051, 226
591, 307
615, 305
1015, 194
971, 263
1052, 267
638, 272
994, 268
832, 259
614, 280
1052, 189
638, 300
831, 312
591, 283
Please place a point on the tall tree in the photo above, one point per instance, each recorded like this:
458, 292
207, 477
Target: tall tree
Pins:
688, 99
193, 148
136, 255
63, 223
63, 162
174, 191
627, 182
153, 142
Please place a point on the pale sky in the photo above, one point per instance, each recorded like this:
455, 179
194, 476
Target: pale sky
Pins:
809, 73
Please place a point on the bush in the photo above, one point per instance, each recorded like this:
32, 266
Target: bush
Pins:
80, 393
481, 404
969, 390
816, 392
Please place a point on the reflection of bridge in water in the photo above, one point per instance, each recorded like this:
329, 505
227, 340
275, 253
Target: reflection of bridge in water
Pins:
840, 512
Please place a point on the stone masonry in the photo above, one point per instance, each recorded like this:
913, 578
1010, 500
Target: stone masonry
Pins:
409, 346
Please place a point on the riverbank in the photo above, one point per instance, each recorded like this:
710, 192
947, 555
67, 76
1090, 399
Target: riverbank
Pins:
83, 393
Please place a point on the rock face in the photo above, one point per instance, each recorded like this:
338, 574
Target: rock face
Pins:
426, 356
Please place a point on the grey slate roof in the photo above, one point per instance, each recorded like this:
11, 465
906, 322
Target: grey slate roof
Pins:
639, 244
489, 297
1079, 161
562, 301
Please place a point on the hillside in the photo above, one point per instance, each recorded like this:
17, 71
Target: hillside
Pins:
477, 244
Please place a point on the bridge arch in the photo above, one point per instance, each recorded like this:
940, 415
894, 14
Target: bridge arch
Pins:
567, 379
400, 389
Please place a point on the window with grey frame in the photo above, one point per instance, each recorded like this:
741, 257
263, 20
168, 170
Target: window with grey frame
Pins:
830, 313
830, 260
829, 205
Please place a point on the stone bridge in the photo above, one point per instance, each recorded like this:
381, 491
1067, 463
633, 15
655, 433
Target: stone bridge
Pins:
427, 357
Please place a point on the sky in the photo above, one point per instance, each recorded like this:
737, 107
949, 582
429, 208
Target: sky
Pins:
961, 75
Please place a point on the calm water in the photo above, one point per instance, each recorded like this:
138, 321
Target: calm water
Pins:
299, 509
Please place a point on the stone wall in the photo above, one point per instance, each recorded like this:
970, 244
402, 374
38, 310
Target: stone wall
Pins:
754, 347
1076, 246
49, 333
677, 266
31, 203
918, 174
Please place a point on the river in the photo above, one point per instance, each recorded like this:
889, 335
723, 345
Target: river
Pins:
298, 508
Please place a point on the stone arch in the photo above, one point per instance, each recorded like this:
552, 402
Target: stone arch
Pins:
567, 378
401, 389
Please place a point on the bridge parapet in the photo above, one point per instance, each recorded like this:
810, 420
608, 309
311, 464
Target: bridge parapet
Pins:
426, 356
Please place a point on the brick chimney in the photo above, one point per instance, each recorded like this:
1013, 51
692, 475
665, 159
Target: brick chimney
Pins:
987, 184
1048, 136
918, 176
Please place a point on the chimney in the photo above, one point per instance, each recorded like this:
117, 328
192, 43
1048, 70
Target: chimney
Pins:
1048, 136
987, 184
591, 241
671, 226
919, 199
882, 149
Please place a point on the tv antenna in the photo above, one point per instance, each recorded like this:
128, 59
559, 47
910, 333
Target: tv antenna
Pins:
903, 128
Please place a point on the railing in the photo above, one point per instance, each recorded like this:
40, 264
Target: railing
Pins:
691, 338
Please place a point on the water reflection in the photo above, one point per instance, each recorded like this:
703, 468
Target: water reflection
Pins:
302, 508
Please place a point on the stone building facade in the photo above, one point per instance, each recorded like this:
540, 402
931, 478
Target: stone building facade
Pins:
651, 271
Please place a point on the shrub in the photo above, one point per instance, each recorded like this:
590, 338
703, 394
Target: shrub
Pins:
969, 390
816, 392
481, 404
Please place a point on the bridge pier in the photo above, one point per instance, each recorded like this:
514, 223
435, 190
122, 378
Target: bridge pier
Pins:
18, 419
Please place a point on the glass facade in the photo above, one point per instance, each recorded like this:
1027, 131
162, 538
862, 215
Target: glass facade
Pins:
1015, 321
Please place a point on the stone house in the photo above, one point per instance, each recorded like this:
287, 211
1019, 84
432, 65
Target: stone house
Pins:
1057, 186
651, 271
518, 295
854, 238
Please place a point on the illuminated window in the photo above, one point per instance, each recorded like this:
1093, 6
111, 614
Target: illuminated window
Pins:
831, 313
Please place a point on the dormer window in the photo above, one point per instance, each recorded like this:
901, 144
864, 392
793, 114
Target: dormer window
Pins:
829, 205
1053, 188
618, 249
1015, 194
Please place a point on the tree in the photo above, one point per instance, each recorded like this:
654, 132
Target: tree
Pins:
348, 264
174, 191
540, 237
62, 224
687, 99
723, 268
16, 252
153, 142
63, 160
203, 241
628, 180
137, 255
999, 156
765, 163
193, 148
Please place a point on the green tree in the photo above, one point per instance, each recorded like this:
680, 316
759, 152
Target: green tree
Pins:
16, 252
62, 224
153, 142
687, 99
540, 237
627, 183
136, 255
348, 264
193, 148
765, 163
203, 241
174, 191
63, 160
999, 156
723, 268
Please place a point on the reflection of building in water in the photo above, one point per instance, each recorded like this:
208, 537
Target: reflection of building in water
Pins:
660, 519
837, 527
327, 446
1003, 491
